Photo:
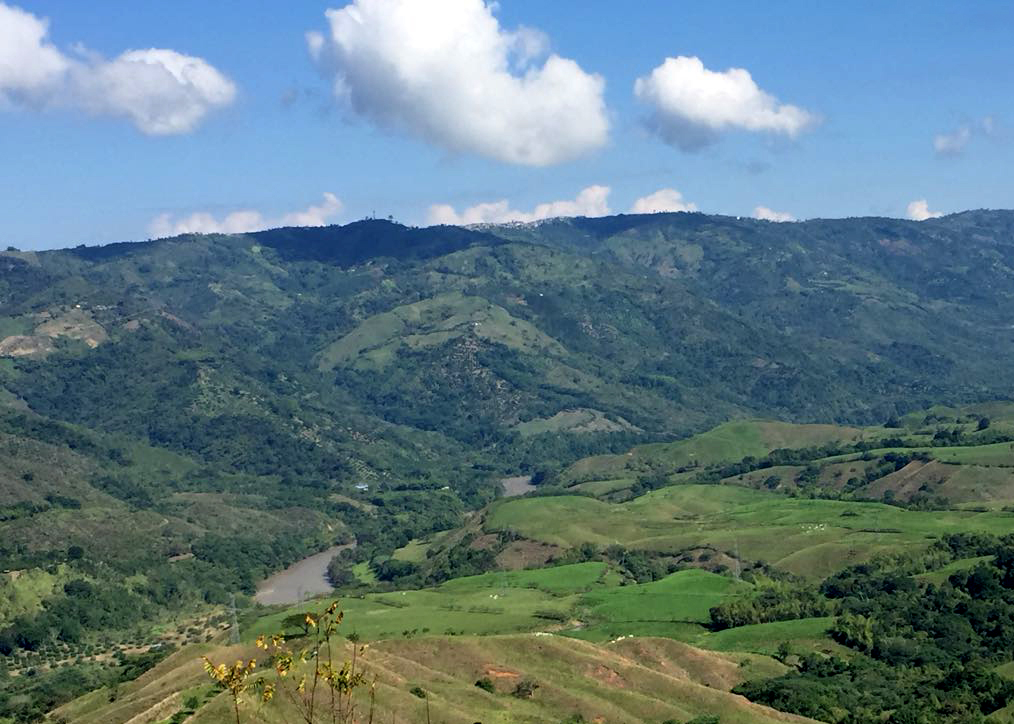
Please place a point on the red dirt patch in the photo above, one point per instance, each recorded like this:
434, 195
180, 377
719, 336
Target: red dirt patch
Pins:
608, 677
526, 554
501, 674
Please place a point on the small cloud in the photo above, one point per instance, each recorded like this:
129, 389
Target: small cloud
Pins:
765, 214
244, 220
952, 144
161, 91
449, 74
591, 201
661, 201
955, 142
692, 106
919, 211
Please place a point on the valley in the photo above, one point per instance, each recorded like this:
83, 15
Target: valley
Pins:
622, 459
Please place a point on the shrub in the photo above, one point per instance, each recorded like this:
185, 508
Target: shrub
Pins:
525, 689
486, 684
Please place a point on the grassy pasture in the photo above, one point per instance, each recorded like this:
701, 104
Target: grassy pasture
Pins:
601, 488
682, 597
729, 442
413, 552
808, 537
492, 603
642, 680
558, 580
999, 454
432, 322
24, 591
940, 576
803, 635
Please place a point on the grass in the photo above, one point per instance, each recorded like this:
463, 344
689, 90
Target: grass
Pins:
10, 326
600, 488
1000, 454
940, 576
612, 631
574, 421
645, 680
480, 611
808, 537
431, 322
558, 580
682, 597
413, 552
729, 442
24, 591
537, 600
807, 634
492, 603
364, 573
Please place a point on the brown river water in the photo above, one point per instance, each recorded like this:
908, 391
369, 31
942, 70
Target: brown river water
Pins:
303, 579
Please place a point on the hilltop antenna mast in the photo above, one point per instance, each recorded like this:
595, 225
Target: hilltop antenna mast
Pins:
234, 621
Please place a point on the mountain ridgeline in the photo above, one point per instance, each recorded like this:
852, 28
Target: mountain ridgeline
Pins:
375, 349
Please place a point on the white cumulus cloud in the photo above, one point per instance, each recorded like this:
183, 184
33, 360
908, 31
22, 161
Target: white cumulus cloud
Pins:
445, 71
244, 220
919, 211
765, 214
161, 91
661, 201
591, 201
691, 105
29, 64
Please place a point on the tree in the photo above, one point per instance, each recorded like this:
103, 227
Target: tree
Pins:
232, 679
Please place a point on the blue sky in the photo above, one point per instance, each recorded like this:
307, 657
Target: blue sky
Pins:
858, 95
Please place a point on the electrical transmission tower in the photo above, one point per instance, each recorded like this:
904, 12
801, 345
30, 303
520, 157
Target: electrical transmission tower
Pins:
233, 621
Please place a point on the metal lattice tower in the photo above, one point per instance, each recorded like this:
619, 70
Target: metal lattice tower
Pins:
233, 621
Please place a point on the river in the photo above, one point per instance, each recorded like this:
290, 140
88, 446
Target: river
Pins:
299, 581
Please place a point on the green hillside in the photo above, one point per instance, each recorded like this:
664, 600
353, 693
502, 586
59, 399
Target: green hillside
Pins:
691, 395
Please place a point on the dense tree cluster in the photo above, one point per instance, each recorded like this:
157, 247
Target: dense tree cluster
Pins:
926, 652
